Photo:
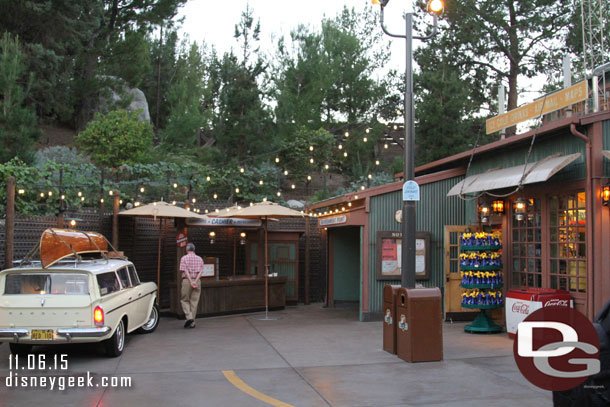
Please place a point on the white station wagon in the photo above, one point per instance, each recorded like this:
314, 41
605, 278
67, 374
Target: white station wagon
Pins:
74, 300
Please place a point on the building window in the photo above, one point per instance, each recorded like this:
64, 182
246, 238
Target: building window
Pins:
527, 247
568, 250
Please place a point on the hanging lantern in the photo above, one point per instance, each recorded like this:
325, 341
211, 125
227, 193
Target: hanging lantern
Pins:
606, 195
484, 213
520, 209
242, 238
212, 237
497, 207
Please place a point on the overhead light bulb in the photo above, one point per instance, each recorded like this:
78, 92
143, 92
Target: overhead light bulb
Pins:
175, 185
261, 182
376, 162
215, 196
242, 170
237, 190
207, 178
142, 189
367, 130
340, 146
293, 186
347, 134
285, 172
311, 160
310, 148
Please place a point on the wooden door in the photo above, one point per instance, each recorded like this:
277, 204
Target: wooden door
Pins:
284, 260
453, 291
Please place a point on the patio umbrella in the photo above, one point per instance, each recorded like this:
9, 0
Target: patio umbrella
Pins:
263, 211
161, 210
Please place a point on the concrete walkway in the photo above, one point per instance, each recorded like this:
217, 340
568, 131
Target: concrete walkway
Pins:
310, 357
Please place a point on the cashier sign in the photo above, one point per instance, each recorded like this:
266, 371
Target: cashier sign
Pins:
557, 348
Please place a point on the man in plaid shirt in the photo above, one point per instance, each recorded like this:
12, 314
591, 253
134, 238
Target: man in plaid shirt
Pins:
191, 266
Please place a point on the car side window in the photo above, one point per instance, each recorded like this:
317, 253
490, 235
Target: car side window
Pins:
124, 277
135, 280
108, 283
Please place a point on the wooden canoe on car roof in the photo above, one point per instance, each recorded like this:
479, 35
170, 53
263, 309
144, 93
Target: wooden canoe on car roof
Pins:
57, 244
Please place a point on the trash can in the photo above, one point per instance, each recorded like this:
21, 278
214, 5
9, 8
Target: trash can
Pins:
522, 302
389, 317
419, 334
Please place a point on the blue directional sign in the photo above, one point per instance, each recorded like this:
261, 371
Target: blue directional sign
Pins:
410, 191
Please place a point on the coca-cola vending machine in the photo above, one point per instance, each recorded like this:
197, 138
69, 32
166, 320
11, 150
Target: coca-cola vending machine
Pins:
522, 302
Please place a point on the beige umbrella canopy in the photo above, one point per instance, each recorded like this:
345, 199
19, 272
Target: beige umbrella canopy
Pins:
161, 210
264, 211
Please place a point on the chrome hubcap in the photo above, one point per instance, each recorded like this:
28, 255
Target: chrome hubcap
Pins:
152, 320
119, 336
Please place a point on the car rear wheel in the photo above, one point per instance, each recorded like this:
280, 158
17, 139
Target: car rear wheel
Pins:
152, 323
20, 348
115, 344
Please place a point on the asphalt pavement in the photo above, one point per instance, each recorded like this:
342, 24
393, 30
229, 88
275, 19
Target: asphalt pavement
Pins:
310, 356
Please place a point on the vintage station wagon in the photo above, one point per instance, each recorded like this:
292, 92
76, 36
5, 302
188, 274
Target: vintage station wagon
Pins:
83, 296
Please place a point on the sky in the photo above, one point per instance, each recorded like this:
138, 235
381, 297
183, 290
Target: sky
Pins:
215, 23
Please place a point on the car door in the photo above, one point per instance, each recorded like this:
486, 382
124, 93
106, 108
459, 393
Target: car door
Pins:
130, 297
142, 303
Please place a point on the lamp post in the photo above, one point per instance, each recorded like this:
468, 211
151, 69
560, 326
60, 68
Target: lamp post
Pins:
408, 206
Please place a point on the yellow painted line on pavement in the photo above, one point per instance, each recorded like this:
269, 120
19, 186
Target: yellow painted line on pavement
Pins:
241, 385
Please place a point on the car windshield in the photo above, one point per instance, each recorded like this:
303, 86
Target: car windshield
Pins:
47, 283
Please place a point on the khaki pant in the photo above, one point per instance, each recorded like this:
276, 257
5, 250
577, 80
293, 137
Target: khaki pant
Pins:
190, 298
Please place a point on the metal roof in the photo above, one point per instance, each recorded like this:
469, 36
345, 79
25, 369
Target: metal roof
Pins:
539, 171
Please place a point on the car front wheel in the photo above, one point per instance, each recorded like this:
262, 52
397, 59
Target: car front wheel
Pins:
20, 348
116, 343
152, 323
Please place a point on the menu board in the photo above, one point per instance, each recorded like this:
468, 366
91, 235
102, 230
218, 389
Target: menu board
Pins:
389, 254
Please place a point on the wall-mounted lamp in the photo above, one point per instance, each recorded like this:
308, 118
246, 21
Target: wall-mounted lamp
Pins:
242, 238
606, 195
520, 209
498, 207
212, 236
484, 212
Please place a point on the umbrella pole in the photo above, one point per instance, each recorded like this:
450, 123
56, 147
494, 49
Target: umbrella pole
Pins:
159, 263
266, 274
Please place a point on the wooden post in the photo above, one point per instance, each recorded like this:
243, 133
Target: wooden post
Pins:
234, 250
10, 222
115, 221
307, 264
60, 220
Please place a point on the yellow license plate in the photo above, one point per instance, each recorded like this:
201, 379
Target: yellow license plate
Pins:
41, 334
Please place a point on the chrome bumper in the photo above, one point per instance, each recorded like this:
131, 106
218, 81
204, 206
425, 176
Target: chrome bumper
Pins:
70, 333
14, 333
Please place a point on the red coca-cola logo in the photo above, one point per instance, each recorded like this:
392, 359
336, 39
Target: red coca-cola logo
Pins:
556, 302
521, 308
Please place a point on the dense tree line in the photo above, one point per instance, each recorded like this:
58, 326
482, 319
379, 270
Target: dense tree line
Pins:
318, 103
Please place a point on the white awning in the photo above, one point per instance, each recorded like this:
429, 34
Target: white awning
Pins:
538, 171
606, 154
